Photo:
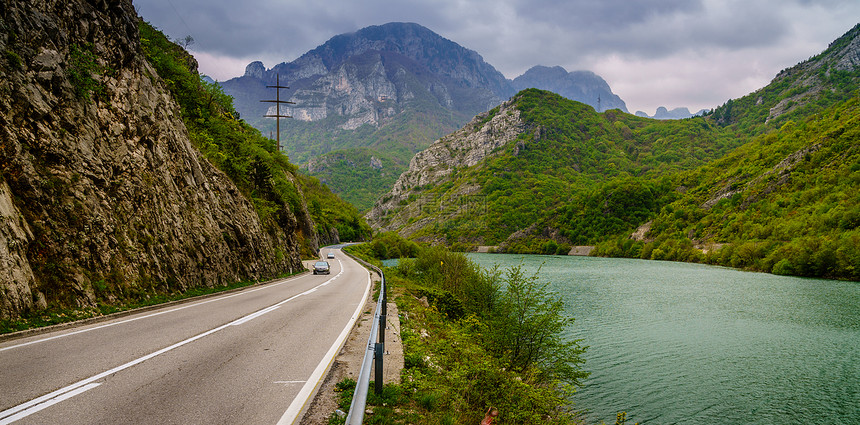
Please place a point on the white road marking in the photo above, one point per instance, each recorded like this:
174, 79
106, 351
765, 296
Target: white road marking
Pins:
23, 410
316, 377
249, 291
48, 403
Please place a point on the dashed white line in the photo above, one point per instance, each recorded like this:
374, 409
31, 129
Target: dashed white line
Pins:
25, 409
149, 315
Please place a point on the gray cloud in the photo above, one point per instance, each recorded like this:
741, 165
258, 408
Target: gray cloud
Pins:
652, 52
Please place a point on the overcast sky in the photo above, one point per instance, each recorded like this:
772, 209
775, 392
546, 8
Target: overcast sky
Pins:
693, 53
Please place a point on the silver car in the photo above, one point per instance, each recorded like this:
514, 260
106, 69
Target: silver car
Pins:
321, 267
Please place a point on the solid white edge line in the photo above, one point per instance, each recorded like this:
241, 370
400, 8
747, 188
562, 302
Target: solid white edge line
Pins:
292, 413
23, 414
74, 388
213, 299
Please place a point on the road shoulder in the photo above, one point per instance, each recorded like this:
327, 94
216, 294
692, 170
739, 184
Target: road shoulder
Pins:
348, 361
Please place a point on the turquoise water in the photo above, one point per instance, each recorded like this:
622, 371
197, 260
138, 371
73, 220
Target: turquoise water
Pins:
675, 343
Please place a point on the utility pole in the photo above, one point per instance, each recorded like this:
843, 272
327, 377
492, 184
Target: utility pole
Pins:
278, 103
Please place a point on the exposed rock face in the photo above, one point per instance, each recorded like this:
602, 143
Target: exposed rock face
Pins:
479, 139
107, 197
842, 55
255, 69
581, 86
370, 74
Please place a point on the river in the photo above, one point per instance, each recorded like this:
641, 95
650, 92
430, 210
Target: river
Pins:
677, 343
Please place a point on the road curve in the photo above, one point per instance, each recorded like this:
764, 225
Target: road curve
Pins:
248, 357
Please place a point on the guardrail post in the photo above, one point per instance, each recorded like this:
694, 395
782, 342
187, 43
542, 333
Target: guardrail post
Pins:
377, 367
372, 356
384, 295
382, 319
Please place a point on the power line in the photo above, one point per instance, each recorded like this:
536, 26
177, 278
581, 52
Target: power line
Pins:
277, 116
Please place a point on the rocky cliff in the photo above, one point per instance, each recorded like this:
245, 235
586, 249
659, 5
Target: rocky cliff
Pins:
479, 139
372, 74
102, 195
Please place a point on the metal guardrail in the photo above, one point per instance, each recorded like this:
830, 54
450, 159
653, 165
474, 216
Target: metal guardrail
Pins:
372, 355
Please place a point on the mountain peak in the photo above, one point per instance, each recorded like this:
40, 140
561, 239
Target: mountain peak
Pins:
414, 42
843, 54
581, 86
846, 50
255, 69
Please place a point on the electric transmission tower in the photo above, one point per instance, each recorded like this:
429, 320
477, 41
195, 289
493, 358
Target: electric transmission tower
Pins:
277, 116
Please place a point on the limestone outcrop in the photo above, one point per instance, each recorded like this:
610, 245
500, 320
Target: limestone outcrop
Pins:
479, 139
102, 195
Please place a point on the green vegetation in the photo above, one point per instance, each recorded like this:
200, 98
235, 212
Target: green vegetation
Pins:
251, 161
784, 203
475, 339
83, 70
386, 246
358, 175
766, 182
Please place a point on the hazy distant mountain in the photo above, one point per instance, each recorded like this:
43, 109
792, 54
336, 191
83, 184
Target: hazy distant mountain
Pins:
675, 114
386, 92
371, 76
582, 86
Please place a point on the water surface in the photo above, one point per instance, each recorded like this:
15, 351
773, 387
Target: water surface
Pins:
676, 343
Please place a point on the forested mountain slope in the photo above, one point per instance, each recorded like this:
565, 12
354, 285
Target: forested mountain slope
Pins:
786, 203
512, 168
767, 182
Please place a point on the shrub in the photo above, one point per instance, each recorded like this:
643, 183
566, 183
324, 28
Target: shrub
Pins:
527, 330
783, 267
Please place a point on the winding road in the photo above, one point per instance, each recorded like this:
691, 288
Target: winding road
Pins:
249, 357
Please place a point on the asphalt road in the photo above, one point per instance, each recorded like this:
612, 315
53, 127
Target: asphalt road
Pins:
249, 357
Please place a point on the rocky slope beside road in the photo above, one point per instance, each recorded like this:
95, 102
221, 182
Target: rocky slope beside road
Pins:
479, 139
102, 195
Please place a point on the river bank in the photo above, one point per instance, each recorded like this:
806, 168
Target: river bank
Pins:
689, 343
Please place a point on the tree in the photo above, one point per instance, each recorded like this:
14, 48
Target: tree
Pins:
528, 328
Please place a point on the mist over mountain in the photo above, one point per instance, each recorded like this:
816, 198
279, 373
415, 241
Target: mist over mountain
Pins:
581, 86
675, 114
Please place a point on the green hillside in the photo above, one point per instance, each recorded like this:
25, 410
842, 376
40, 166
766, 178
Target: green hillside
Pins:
357, 173
250, 160
569, 154
786, 203
766, 182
